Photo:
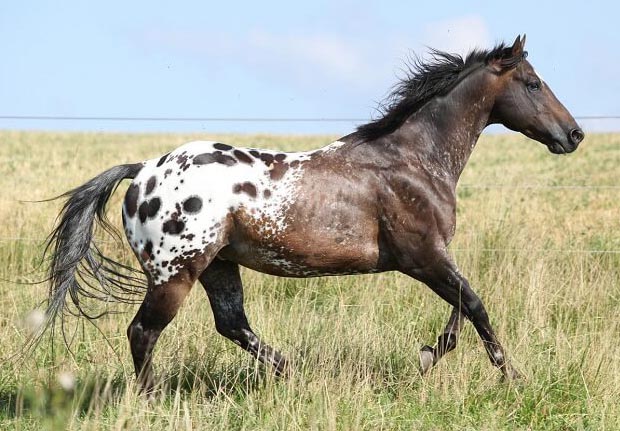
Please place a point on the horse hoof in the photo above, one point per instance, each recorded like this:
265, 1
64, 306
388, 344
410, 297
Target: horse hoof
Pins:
427, 358
282, 369
510, 374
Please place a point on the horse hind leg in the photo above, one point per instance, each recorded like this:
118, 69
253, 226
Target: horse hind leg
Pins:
222, 283
161, 303
446, 342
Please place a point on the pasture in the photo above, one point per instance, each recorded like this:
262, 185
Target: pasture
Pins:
538, 237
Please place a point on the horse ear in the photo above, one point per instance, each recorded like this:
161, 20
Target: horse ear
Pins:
507, 58
517, 46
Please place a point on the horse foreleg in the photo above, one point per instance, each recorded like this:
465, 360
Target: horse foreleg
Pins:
446, 342
445, 280
222, 283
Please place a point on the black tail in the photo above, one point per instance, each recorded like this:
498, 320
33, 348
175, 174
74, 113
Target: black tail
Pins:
77, 266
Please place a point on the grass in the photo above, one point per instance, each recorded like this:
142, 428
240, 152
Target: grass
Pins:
539, 257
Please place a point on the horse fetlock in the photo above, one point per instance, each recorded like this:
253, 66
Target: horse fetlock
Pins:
446, 343
281, 366
510, 373
498, 358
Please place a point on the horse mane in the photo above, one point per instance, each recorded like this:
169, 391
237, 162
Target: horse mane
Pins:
424, 80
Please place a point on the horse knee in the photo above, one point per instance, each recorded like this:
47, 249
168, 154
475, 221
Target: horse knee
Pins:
242, 336
224, 330
231, 325
473, 308
229, 331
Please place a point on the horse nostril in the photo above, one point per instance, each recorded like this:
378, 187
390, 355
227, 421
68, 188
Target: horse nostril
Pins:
576, 136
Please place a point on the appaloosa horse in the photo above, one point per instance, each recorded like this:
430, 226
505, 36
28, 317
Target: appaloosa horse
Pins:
380, 199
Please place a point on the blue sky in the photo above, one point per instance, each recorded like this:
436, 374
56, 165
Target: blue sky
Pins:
325, 59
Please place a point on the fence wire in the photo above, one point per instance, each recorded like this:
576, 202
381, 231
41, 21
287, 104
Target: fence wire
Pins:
226, 119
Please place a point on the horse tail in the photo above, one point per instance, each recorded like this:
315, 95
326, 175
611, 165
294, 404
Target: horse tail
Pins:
77, 265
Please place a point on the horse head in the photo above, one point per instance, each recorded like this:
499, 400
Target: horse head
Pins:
525, 103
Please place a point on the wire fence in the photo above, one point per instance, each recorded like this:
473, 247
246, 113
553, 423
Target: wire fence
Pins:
227, 119
539, 187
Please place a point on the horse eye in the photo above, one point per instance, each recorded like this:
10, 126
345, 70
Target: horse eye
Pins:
533, 85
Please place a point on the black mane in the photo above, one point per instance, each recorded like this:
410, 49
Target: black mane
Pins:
425, 80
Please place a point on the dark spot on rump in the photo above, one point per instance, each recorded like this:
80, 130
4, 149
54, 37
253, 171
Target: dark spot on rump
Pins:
294, 163
131, 199
192, 204
243, 157
148, 247
267, 158
182, 160
203, 159
173, 227
150, 185
250, 189
339, 239
143, 211
162, 160
278, 171
226, 160
246, 187
266, 193
217, 157
255, 153
280, 157
154, 205
223, 147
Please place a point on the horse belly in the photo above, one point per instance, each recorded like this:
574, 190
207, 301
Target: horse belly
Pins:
297, 255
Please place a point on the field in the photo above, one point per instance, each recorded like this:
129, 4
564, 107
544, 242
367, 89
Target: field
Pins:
538, 237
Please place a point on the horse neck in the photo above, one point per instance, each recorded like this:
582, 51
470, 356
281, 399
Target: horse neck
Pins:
443, 133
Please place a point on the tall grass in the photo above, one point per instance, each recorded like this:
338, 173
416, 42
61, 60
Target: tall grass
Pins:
544, 258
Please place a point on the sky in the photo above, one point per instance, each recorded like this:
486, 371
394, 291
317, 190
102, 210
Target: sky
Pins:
277, 59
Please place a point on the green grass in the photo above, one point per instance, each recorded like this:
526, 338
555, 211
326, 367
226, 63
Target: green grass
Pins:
537, 255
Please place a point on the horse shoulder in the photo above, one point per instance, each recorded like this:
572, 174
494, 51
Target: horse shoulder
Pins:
416, 212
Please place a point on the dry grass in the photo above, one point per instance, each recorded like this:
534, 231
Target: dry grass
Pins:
536, 255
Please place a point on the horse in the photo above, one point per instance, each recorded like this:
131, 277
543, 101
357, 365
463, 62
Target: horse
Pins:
382, 198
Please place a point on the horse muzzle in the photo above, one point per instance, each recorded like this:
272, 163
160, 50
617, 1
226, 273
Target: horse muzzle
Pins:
568, 144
